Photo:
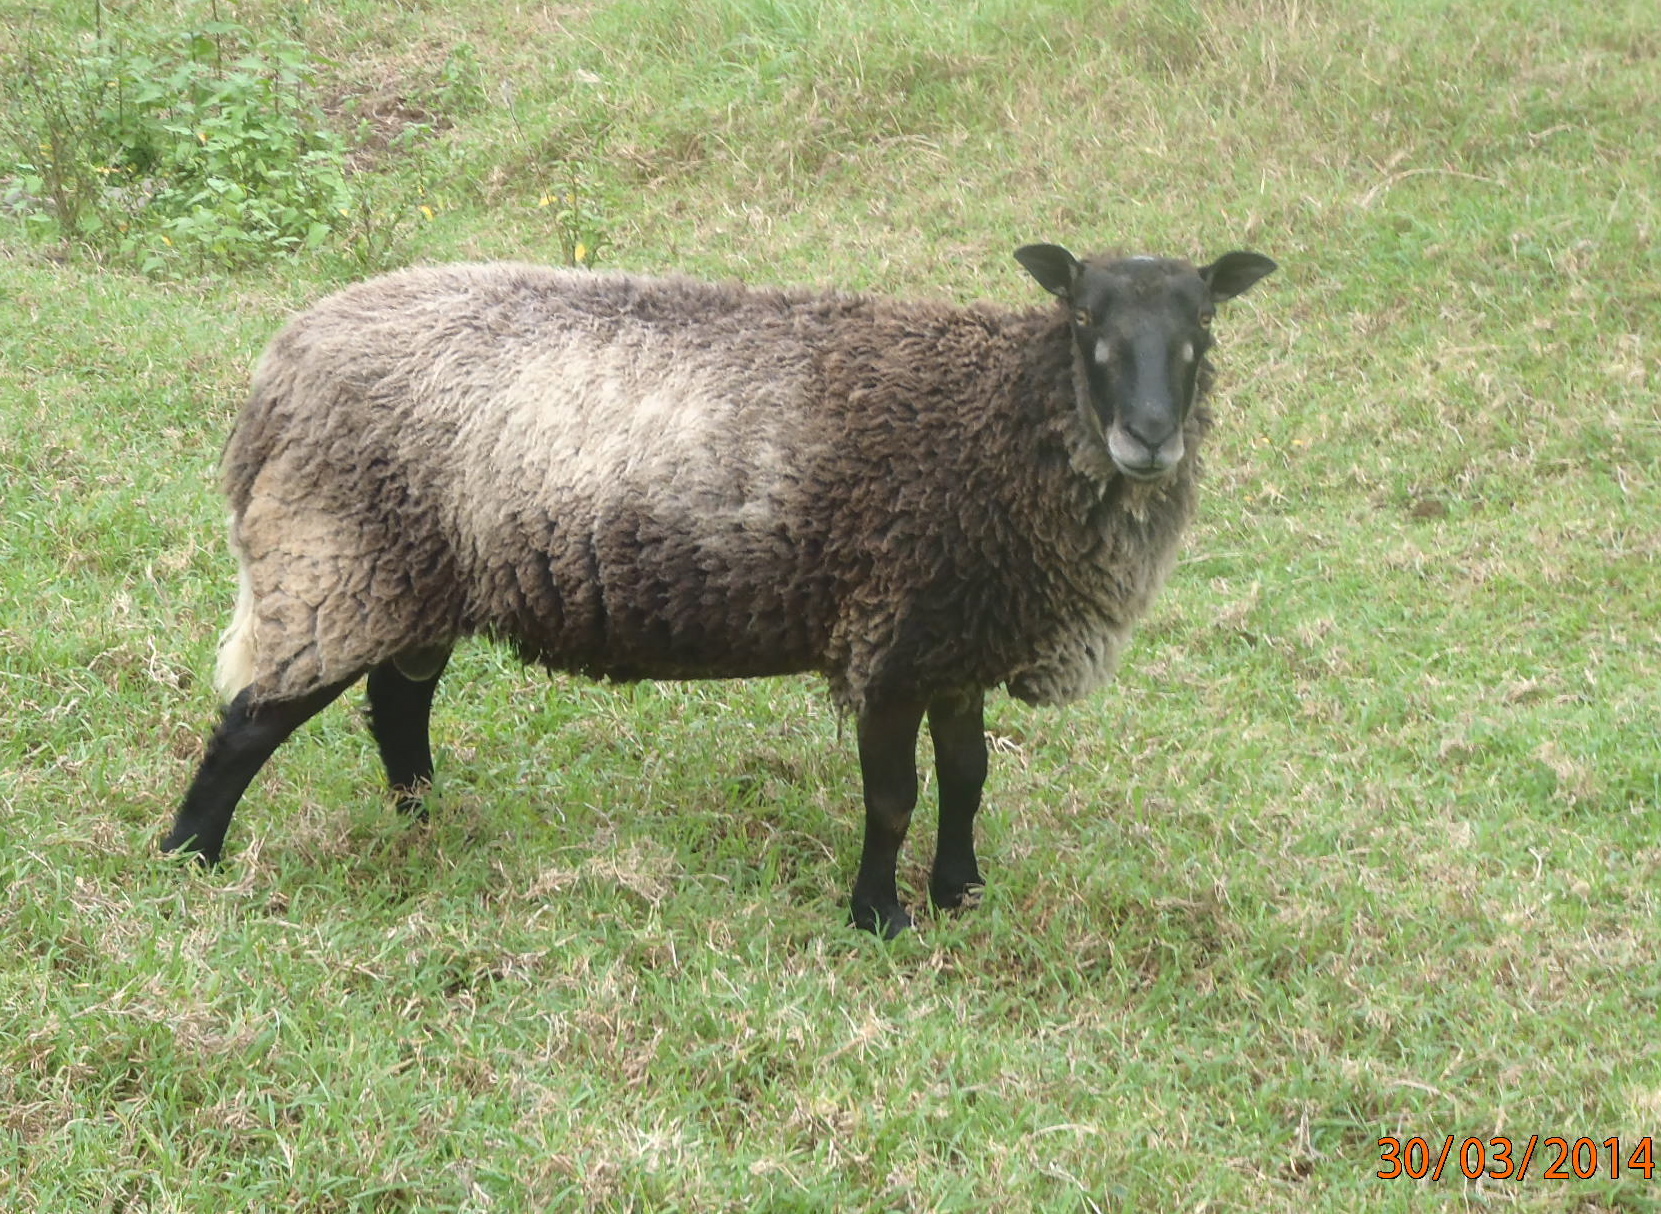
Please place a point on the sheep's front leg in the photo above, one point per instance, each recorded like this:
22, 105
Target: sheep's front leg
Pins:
400, 706
956, 725
247, 735
888, 770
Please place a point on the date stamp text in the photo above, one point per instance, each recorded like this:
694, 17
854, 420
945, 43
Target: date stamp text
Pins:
1503, 1158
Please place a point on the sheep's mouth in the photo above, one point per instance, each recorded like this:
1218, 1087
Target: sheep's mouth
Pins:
1140, 461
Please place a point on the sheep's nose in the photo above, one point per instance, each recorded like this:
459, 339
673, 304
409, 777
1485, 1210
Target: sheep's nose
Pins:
1151, 434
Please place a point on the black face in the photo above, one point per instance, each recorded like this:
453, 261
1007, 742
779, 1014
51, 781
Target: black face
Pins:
1142, 326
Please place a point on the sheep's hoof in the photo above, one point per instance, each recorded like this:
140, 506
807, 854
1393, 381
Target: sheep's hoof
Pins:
185, 845
886, 922
956, 895
412, 802
413, 808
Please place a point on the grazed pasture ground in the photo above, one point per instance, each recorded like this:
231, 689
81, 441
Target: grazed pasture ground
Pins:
1366, 840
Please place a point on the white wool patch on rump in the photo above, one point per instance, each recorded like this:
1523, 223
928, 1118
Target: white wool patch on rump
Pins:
235, 667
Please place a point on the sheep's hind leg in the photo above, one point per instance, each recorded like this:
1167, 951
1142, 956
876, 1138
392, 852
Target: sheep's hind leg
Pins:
888, 769
959, 733
400, 706
247, 735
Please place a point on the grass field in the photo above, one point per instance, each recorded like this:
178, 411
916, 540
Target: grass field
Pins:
1365, 840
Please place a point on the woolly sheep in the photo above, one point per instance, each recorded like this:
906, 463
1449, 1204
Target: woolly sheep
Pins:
660, 478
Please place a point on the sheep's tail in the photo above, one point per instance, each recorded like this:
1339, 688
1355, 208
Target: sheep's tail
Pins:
235, 668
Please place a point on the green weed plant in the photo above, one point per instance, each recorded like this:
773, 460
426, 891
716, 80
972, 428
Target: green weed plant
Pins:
201, 150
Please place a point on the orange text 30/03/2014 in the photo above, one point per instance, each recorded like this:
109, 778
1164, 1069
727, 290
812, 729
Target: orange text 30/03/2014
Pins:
1502, 1158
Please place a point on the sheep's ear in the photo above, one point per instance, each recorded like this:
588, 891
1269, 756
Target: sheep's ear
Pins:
1054, 267
1233, 274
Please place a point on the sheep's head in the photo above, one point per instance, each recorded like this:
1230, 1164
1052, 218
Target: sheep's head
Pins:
1141, 326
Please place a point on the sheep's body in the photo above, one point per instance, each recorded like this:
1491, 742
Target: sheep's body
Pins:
659, 478
649, 478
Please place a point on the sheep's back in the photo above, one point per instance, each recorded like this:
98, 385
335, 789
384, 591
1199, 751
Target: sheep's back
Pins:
610, 472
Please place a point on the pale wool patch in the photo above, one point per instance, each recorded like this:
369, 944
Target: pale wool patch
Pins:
632, 423
1078, 663
235, 668
1083, 657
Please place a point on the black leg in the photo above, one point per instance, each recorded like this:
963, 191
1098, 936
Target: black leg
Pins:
959, 734
888, 769
247, 735
399, 708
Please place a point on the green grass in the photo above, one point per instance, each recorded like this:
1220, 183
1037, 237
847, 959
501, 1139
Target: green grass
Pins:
1365, 841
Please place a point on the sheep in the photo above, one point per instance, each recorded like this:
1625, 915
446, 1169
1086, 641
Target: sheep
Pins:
660, 478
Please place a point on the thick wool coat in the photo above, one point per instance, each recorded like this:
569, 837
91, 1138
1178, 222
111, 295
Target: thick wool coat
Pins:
639, 477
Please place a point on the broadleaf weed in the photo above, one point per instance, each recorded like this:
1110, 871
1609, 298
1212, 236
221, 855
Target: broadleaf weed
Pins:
578, 218
165, 152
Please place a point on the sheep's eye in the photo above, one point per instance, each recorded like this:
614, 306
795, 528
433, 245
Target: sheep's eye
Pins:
1205, 319
1081, 316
